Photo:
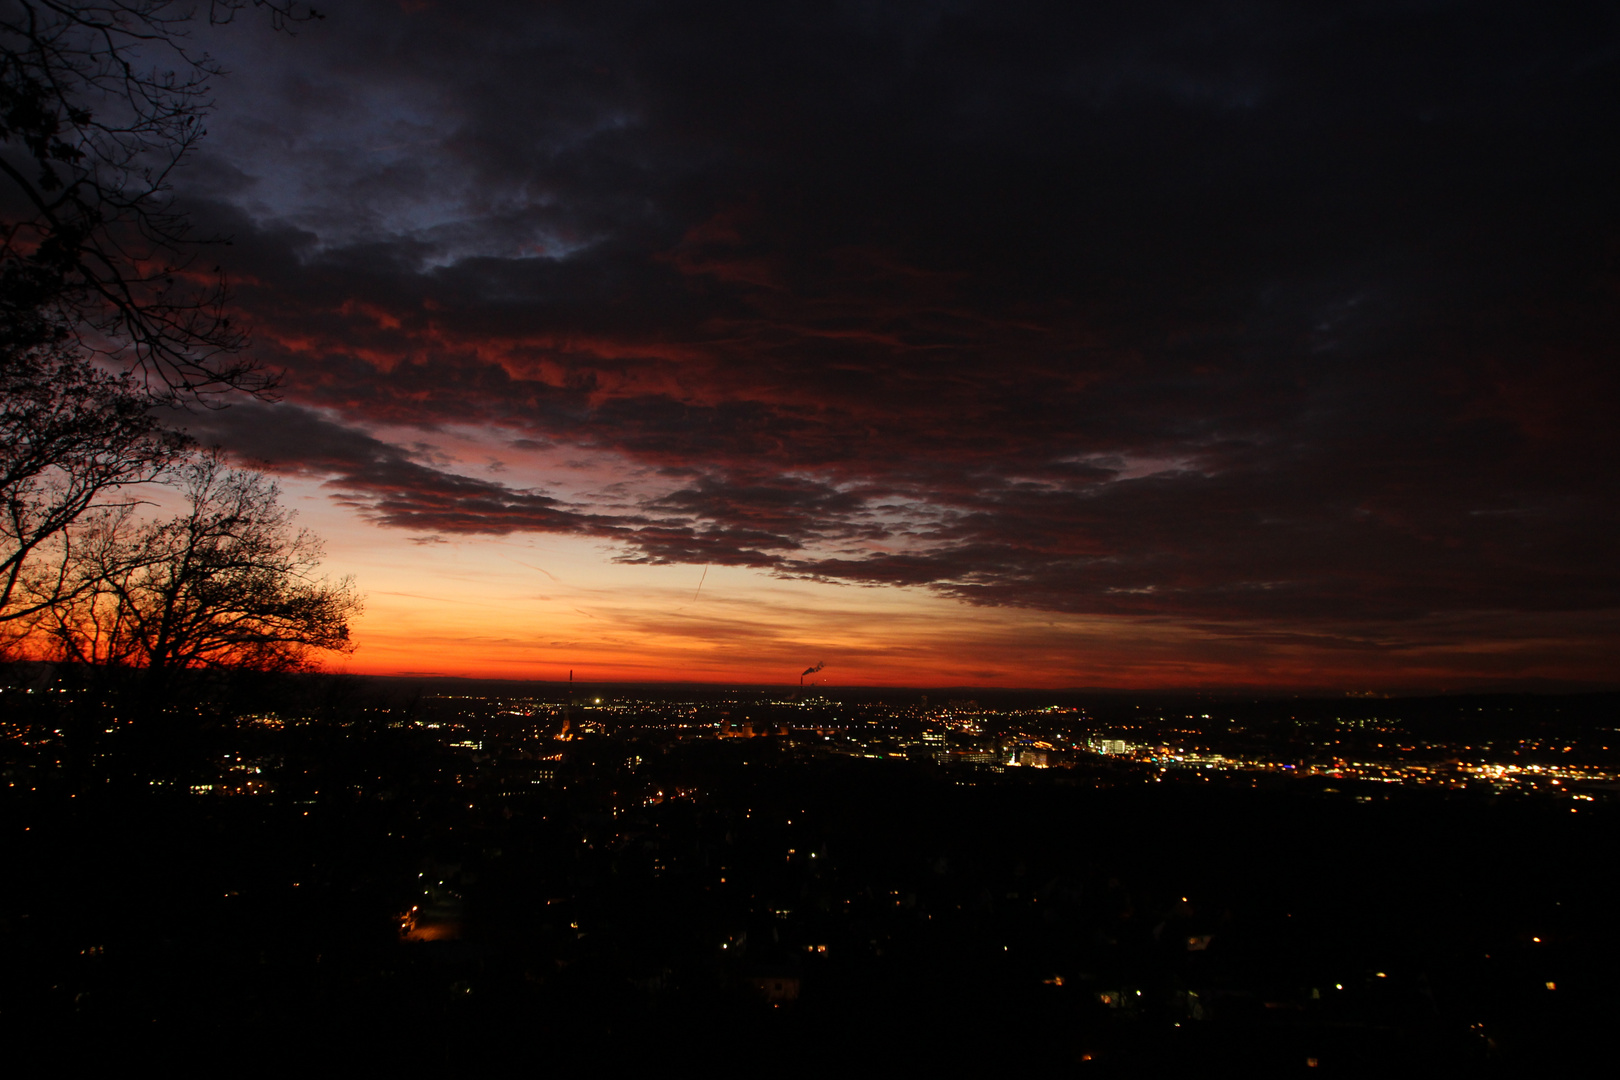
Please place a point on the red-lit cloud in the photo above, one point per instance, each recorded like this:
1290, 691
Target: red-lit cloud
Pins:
1029, 306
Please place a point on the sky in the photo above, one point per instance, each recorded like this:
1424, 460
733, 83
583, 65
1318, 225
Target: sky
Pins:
1206, 345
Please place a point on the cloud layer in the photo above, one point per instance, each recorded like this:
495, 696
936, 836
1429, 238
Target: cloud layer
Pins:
1207, 311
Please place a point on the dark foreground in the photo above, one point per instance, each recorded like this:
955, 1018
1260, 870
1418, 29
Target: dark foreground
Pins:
790, 915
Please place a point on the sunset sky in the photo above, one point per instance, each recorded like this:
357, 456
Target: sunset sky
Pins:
1003, 344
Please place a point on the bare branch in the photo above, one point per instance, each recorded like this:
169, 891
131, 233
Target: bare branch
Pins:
228, 584
99, 104
71, 438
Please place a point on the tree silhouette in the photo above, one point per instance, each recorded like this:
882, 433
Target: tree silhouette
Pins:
228, 583
99, 103
69, 435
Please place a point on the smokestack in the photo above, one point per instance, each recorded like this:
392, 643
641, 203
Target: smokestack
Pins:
811, 671
568, 707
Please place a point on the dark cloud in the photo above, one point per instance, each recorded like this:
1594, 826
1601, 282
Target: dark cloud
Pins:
386, 483
1201, 310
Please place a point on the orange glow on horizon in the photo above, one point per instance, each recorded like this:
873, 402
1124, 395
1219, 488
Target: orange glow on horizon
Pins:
537, 606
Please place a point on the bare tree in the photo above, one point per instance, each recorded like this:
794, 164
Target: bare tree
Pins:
99, 103
70, 435
226, 584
